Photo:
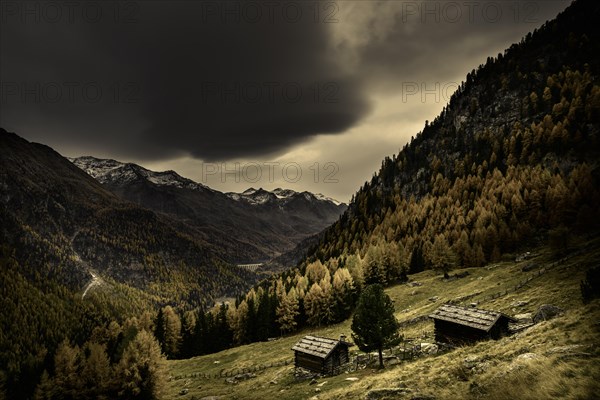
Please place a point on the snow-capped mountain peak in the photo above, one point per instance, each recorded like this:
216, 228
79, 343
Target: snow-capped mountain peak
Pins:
108, 171
249, 191
279, 196
284, 193
322, 197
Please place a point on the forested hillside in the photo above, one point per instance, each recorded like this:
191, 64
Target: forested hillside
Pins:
61, 232
511, 162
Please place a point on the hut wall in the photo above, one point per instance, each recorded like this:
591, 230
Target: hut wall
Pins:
344, 357
448, 332
306, 361
500, 329
330, 365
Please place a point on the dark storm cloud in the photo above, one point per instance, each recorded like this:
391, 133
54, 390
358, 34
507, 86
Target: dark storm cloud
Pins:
220, 80
213, 79
395, 42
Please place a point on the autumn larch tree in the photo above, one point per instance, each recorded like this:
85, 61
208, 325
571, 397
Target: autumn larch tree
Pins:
141, 372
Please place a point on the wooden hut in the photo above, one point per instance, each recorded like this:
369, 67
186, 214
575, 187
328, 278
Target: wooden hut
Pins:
321, 355
458, 325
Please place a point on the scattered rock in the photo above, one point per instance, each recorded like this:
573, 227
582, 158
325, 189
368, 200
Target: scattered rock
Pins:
523, 256
480, 278
317, 390
212, 398
470, 361
520, 303
243, 377
353, 379
525, 317
273, 382
414, 292
475, 364
529, 267
313, 381
519, 363
413, 284
429, 348
321, 384
240, 377
433, 299
473, 305
546, 312
393, 361
527, 357
217, 362
183, 392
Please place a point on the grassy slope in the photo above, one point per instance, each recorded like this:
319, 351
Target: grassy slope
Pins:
500, 374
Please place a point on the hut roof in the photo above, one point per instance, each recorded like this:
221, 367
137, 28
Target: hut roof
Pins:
318, 346
475, 318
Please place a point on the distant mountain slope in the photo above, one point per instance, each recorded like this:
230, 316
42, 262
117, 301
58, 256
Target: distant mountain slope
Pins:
252, 226
117, 173
74, 256
60, 222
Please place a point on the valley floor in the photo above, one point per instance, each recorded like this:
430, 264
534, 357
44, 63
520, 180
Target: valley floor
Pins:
559, 358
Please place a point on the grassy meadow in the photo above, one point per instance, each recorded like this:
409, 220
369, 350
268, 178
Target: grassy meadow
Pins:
559, 358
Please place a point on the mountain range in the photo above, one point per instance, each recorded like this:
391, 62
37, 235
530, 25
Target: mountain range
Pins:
254, 226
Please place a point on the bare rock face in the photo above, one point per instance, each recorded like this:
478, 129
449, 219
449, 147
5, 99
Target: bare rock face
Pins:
546, 312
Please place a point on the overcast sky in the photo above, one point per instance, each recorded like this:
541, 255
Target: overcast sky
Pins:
315, 94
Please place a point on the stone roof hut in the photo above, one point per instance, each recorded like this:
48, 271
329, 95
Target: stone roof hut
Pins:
459, 325
321, 355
